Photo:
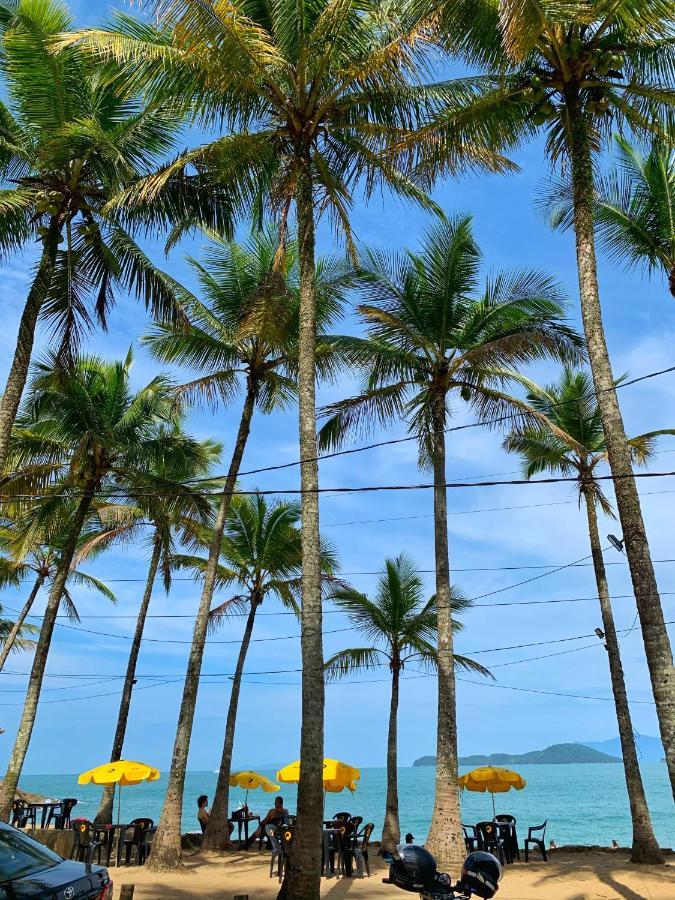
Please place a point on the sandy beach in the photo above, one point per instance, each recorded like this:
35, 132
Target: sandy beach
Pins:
567, 876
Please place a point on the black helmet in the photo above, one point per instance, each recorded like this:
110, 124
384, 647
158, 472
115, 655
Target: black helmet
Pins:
481, 873
414, 870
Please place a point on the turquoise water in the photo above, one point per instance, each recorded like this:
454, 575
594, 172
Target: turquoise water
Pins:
584, 804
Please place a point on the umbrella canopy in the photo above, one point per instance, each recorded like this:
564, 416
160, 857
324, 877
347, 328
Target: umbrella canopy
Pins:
336, 775
249, 781
122, 772
492, 779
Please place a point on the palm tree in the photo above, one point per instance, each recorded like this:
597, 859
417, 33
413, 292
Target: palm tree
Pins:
635, 208
71, 137
245, 330
42, 561
400, 626
576, 447
574, 73
83, 433
189, 509
433, 336
310, 96
261, 552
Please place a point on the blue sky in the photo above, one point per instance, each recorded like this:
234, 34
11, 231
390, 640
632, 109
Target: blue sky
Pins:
488, 545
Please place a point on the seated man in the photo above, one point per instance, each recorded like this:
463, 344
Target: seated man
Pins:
278, 815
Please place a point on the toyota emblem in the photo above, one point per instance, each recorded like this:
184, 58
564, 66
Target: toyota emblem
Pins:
69, 893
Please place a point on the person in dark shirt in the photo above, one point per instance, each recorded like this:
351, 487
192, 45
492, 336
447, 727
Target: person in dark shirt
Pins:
278, 815
202, 811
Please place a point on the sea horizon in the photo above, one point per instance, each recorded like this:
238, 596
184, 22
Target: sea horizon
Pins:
584, 803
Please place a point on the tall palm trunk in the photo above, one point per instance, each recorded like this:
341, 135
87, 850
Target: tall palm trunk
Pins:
645, 847
445, 839
657, 645
304, 872
391, 833
217, 834
105, 810
16, 760
18, 372
16, 628
166, 847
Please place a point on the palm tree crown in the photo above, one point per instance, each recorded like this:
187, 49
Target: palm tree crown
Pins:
433, 332
71, 137
399, 623
573, 441
595, 64
310, 89
244, 329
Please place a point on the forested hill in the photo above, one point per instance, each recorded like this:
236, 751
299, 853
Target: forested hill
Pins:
555, 754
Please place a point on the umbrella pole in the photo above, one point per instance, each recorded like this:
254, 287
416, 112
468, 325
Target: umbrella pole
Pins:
493, 806
119, 801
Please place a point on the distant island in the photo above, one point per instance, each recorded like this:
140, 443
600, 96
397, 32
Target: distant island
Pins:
558, 754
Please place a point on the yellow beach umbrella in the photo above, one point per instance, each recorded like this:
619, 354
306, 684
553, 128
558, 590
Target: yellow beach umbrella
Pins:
336, 775
250, 781
493, 779
123, 772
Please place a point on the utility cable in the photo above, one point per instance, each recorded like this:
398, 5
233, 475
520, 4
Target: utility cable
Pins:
293, 671
364, 489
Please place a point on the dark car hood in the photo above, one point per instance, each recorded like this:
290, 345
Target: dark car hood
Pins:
51, 883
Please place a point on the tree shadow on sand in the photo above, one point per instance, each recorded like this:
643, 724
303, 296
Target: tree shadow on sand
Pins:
605, 872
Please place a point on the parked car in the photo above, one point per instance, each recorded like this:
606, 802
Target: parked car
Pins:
28, 869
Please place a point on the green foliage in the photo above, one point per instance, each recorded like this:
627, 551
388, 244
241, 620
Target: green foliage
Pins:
71, 138
569, 440
434, 331
398, 623
84, 429
246, 325
260, 552
545, 65
324, 88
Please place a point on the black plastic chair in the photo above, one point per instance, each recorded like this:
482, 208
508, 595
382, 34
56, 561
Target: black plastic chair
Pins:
59, 813
134, 842
20, 814
470, 840
286, 835
356, 821
277, 851
146, 845
536, 841
489, 839
361, 848
507, 832
85, 841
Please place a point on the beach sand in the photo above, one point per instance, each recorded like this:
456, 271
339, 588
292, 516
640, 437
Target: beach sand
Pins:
567, 876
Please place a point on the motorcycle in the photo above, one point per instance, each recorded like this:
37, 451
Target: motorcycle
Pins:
414, 869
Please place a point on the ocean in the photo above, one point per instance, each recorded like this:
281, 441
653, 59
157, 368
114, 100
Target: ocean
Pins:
583, 803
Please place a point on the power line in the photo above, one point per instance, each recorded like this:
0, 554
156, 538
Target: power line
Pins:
293, 671
510, 687
364, 489
472, 512
393, 441
268, 684
177, 641
327, 612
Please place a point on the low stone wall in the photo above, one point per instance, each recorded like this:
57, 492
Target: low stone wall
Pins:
61, 841
58, 840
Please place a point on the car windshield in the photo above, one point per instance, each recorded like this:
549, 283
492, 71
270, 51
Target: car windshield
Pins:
21, 856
